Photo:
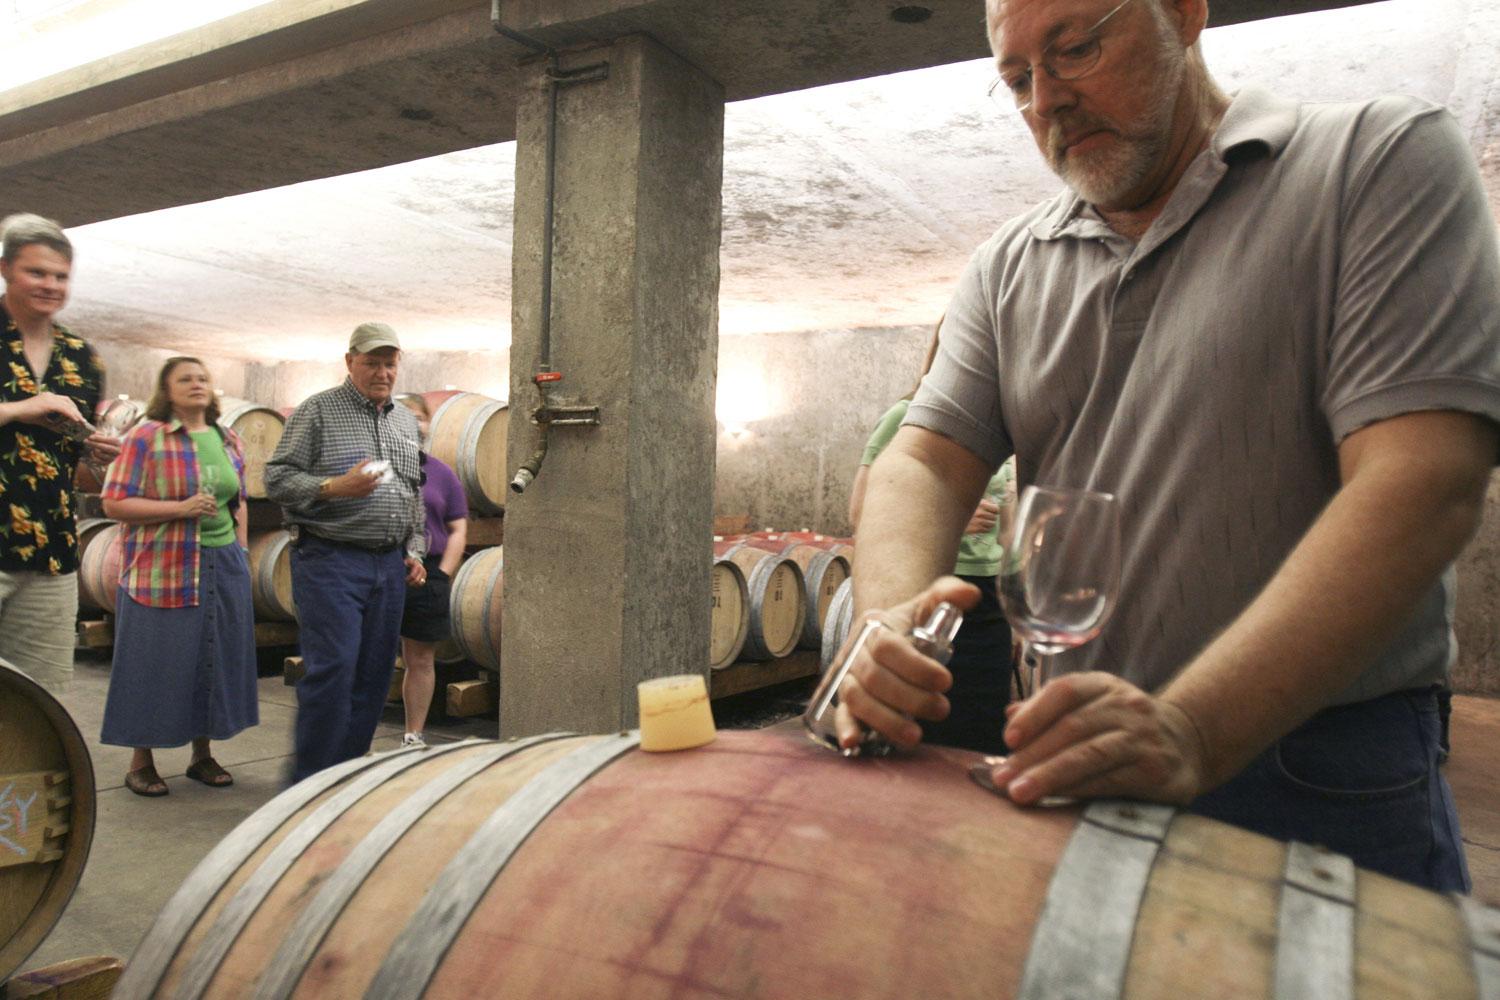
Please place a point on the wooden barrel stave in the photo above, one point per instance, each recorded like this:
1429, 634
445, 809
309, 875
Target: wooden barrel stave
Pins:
45, 773
729, 622
100, 558
476, 606
836, 625
723, 872
468, 432
778, 599
271, 575
260, 428
415, 859
824, 571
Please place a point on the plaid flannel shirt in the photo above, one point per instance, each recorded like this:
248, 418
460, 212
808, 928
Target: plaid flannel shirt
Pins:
329, 434
157, 461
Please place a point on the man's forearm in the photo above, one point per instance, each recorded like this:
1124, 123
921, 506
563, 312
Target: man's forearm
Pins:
918, 499
1339, 599
291, 487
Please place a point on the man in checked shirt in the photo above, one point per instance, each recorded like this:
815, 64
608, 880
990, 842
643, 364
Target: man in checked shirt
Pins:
348, 477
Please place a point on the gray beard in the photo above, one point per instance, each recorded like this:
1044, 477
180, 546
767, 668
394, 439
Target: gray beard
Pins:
1108, 177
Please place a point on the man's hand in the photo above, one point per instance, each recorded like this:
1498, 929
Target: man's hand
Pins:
1091, 735
102, 448
892, 680
47, 409
984, 517
416, 573
357, 482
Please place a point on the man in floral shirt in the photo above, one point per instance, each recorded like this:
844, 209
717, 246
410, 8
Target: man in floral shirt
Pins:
50, 381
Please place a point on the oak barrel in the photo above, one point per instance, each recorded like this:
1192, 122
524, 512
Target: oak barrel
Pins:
475, 604
99, 563
778, 598
46, 814
764, 866
271, 575
836, 625
823, 571
729, 622
833, 543
468, 432
259, 428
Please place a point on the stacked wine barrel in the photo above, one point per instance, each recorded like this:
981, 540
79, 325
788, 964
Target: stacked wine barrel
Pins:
793, 580
47, 796
271, 575
99, 564
259, 428
468, 432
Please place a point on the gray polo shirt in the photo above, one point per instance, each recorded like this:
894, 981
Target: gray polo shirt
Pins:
329, 434
1319, 268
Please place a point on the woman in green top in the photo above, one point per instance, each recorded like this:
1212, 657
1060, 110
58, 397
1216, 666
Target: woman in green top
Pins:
981, 662
184, 663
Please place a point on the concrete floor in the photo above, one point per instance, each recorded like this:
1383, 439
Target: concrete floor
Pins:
145, 848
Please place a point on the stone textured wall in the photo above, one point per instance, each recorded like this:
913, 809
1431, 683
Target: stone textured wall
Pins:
132, 370
1478, 612
795, 410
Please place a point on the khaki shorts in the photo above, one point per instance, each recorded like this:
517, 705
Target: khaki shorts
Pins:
38, 626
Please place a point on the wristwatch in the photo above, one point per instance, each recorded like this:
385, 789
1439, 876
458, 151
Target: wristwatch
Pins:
325, 489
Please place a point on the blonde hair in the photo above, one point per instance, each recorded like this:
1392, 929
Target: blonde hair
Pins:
24, 230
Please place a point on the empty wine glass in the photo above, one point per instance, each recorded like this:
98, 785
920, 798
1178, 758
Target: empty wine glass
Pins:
1061, 572
208, 480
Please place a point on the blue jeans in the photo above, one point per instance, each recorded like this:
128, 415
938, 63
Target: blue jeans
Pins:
349, 605
1362, 780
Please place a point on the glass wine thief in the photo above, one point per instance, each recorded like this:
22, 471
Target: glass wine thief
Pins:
933, 638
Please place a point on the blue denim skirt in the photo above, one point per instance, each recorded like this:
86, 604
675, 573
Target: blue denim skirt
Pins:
180, 674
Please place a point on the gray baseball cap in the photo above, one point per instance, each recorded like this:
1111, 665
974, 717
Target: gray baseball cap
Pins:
369, 337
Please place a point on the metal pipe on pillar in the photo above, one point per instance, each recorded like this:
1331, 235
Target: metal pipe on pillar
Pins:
545, 415
615, 284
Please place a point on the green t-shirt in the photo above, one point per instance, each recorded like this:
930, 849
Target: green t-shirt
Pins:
978, 555
213, 461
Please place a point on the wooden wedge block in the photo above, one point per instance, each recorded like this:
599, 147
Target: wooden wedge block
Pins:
96, 635
476, 697
76, 979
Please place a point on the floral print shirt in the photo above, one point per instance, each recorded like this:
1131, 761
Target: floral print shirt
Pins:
37, 532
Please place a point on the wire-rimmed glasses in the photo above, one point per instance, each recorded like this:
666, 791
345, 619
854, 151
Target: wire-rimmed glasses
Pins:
1063, 60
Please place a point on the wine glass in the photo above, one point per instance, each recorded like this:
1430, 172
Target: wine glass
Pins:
208, 481
1060, 573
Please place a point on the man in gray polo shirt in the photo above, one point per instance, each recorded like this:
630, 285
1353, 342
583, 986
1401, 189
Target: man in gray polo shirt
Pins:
348, 477
1270, 329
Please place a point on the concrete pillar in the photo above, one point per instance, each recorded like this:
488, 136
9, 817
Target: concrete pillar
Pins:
607, 553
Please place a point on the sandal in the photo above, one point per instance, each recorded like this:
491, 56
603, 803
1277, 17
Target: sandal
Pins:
208, 771
145, 781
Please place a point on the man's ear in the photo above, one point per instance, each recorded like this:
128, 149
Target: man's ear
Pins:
1189, 17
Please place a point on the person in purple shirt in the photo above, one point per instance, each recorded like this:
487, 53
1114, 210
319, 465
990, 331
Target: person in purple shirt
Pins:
424, 622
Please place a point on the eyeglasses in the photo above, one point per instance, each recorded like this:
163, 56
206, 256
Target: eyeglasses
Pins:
1072, 61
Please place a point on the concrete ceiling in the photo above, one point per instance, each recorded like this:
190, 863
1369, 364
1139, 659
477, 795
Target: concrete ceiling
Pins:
850, 205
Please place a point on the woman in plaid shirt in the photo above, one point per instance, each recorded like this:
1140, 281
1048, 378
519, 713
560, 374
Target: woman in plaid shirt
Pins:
184, 663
